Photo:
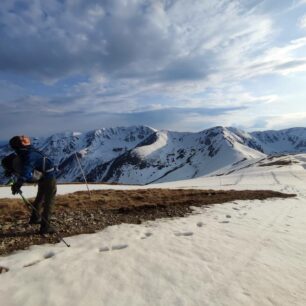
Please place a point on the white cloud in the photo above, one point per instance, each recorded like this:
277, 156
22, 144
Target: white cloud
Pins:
286, 120
146, 40
211, 53
151, 54
302, 22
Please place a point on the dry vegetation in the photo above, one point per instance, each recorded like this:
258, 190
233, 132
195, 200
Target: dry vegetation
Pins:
77, 213
283, 162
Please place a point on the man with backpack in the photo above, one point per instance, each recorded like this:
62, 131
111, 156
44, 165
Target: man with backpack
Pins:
30, 165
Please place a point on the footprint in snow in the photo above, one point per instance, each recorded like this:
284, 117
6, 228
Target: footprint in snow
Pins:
147, 234
184, 234
49, 255
3, 269
114, 247
235, 208
200, 224
104, 249
225, 221
32, 263
119, 246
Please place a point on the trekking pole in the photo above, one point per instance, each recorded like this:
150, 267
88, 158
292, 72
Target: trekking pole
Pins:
77, 158
29, 204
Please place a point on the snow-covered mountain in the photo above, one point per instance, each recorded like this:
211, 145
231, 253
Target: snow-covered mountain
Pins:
275, 142
93, 149
142, 155
170, 156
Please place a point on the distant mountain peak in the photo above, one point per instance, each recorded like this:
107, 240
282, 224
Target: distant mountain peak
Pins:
141, 154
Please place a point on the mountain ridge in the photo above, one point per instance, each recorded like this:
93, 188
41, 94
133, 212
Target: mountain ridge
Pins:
142, 155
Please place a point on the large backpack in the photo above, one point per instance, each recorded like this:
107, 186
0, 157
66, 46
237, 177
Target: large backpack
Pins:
13, 164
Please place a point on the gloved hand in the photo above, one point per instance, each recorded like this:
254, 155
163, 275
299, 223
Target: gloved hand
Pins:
16, 188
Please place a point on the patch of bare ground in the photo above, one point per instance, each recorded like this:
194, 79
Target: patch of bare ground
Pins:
98, 183
279, 163
82, 183
77, 213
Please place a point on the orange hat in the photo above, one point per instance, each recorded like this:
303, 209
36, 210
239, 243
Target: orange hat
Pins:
18, 142
25, 140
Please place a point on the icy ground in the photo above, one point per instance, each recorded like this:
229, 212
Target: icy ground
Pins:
238, 253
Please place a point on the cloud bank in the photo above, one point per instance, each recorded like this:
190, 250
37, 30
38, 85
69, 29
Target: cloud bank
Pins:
75, 59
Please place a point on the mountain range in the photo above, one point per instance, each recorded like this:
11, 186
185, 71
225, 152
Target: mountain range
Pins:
143, 155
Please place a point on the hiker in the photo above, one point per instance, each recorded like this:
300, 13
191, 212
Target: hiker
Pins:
29, 165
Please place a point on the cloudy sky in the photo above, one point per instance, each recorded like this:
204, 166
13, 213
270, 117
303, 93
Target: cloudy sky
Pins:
175, 64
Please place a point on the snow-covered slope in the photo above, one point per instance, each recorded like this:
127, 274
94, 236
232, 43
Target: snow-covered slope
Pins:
238, 253
171, 156
275, 142
142, 155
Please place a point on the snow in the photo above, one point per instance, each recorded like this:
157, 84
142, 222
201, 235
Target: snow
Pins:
151, 150
178, 156
289, 140
238, 253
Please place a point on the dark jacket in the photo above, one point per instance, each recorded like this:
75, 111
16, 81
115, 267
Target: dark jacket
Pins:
31, 159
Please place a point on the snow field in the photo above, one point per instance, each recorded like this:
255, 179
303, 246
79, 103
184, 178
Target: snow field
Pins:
237, 253
223, 255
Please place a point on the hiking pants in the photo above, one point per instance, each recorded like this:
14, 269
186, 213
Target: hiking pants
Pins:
45, 198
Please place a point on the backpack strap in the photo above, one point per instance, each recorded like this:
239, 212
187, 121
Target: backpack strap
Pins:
44, 163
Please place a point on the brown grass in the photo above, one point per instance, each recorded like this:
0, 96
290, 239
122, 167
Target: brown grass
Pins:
278, 163
76, 213
130, 199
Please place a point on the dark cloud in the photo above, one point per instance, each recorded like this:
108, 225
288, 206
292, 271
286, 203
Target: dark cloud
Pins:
188, 68
56, 39
158, 40
84, 64
36, 123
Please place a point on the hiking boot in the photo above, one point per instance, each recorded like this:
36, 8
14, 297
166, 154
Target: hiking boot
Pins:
35, 220
47, 230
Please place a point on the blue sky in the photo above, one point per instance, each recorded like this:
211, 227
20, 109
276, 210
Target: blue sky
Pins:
183, 65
